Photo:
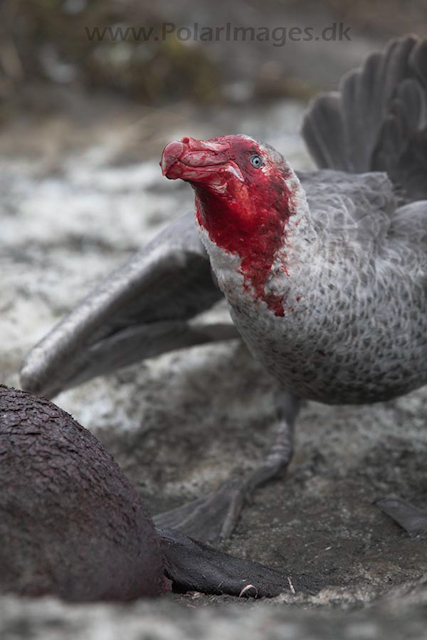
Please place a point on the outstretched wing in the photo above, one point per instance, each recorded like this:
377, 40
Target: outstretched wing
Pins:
141, 310
374, 132
377, 121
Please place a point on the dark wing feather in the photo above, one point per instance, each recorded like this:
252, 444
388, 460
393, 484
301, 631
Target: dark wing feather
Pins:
377, 121
141, 310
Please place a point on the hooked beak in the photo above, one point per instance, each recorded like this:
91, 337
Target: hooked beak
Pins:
198, 161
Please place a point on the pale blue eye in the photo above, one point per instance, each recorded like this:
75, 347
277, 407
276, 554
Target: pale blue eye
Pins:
256, 161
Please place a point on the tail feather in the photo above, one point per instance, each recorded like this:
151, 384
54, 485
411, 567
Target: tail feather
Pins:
377, 121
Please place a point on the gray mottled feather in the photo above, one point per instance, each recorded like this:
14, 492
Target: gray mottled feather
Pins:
355, 319
349, 208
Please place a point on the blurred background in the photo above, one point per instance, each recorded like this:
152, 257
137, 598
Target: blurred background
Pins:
89, 60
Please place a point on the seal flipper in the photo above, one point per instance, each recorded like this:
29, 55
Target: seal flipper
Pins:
194, 566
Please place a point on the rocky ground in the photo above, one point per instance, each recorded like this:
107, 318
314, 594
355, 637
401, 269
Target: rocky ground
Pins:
74, 203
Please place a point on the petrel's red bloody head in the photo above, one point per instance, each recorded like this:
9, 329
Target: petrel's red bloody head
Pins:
243, 199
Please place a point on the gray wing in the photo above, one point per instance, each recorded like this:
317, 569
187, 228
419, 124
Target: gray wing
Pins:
377, 121
141, 310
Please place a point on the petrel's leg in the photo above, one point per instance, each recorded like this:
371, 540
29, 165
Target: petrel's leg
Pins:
410, 518
215, 515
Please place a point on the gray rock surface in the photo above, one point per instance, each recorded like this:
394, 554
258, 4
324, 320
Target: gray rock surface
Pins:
400, 619
180, 424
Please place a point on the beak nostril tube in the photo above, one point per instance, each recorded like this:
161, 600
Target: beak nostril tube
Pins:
191, 159
171, 153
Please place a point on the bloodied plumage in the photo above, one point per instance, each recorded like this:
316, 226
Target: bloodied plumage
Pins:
326, 282
324, 271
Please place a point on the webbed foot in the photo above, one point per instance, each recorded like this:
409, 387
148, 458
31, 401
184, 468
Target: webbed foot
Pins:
215, 516
208, 518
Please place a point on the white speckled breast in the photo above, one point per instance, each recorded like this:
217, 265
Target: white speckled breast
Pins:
355, 323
